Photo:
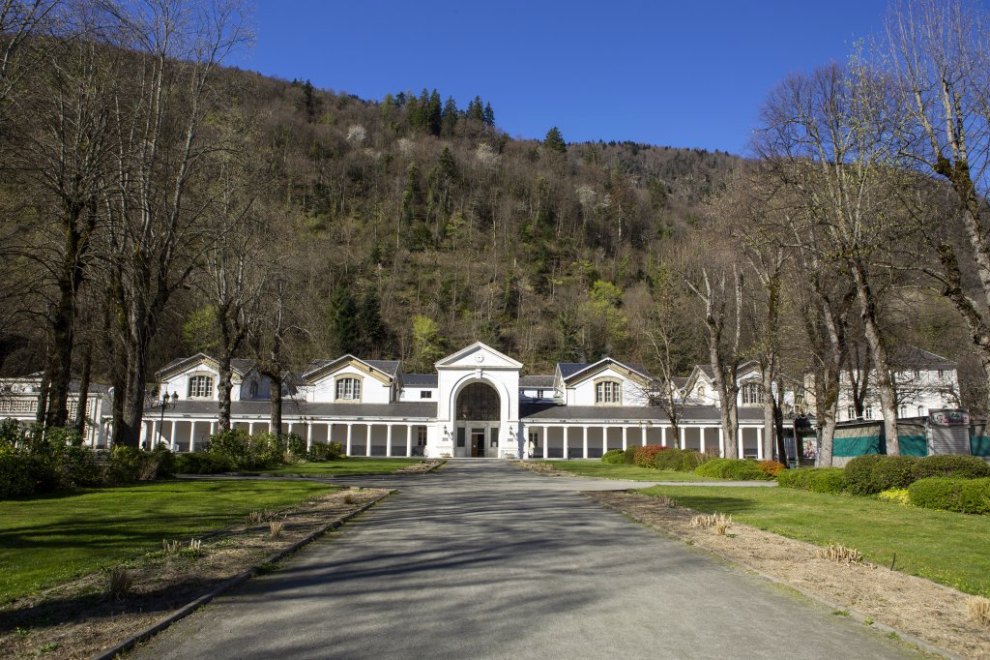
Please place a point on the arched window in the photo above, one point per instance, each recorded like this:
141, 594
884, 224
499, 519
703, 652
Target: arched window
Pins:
868, 412
200, 387
921, 411
348, 389
608, 391
904, 410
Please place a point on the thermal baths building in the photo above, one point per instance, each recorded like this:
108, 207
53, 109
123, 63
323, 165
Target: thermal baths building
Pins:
476, 404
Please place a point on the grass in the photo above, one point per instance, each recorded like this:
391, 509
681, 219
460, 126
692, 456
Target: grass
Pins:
595, 468
48, 540
345, 467
946, 547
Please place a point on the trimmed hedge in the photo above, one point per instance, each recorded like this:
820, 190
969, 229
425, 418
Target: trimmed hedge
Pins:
614, 457
739, 469
816, 480
873, 473
948, 465
202, 462
952, 494
644, 456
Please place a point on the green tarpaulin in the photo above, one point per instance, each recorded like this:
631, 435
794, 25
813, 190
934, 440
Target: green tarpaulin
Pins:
913, 445
856, 445
980, 445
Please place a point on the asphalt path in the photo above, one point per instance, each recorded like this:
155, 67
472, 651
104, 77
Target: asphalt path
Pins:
484, 560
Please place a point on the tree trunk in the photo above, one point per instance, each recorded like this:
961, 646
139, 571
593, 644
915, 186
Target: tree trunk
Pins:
769, 412
275, 396
225, 385
878, 354
81, 408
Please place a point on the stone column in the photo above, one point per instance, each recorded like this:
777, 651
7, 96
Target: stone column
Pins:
546, 441
625, 438
701, 438
350, 433
250, 428
409, 429
567, 440
192, 436
584, 441
683, 438
152, 437
171, 439
388, 447
367, 439
309, 435
759, 443
721, 442
663, 436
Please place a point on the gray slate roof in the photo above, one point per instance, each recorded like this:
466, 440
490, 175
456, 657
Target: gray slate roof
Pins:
567, 369
536, 412
543, 381
391, 367
420, 380
293, 408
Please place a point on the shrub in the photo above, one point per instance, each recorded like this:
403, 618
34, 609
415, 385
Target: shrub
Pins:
816, 480
873, 473
15, 476
644, 455
771, 468
326, 452
952, 494
896, 495
947, 465
295, 445
202, 462
233, 444
739, 469
630, 454
614, 457
125, 464
682, 460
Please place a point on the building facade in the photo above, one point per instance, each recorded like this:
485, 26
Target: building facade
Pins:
476, 404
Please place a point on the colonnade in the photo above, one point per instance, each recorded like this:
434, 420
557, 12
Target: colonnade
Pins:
540, 438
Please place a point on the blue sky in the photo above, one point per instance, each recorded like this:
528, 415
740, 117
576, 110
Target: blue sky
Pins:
685, 74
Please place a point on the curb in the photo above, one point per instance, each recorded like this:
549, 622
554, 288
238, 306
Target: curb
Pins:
189, 608
853, 614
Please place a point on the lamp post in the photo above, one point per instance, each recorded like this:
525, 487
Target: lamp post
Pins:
165, 404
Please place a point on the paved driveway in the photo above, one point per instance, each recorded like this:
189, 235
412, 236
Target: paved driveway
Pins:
483, 560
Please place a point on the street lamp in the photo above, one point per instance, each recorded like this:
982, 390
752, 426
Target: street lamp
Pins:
165, 404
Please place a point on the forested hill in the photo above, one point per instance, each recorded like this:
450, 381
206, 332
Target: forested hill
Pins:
429, 212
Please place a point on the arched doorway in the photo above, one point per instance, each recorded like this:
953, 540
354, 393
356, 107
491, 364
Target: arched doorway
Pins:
477, 416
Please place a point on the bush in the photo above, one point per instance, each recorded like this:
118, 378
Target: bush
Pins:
816, 480
234, 445
771, 468
946, 465
16, 475
326, 452
896, 495
614, 457
868, 475
739, 469
952, 494
295, 445
630, 455
682, 460
644, 456
202, 462
130, 464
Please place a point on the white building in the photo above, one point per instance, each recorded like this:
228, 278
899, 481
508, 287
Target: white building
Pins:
19, 401
476, 404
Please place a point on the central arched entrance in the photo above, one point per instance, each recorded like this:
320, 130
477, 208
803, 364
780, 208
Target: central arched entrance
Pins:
477, 420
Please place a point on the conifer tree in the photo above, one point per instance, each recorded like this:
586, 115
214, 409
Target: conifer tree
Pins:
554, 141
475, 110
375, 336
448, 118
489, 115
434, 114
345, 332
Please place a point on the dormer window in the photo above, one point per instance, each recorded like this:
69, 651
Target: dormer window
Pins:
348, 389
200, 387
608, 392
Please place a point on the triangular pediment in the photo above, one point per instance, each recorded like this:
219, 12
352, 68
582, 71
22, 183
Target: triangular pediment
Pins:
327, 369
478, 356
607, 364
188, 364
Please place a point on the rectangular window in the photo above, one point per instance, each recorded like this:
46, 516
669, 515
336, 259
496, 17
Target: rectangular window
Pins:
425, 394
349, 389
868, 412
421, 436
460, 437
200, 386
608, 391
850, 413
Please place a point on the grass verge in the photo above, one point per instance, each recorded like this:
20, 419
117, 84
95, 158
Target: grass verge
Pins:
948, 548
45, 541
586, 468
345, 467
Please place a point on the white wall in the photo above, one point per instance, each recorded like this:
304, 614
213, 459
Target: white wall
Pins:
372, 389
180, 383
415, 394
583, 393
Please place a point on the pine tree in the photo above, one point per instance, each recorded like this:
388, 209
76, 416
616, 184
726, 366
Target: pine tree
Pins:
345, 331
375, 336
489, 115
475, 110
554, 141
449, 116
434, 114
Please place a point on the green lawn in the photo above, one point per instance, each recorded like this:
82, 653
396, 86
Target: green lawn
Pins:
345, 467
949, 548
595, 468
44, 541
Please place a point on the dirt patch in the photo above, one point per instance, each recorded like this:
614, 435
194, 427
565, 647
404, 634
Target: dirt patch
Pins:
912, 605
77, 619
541, 468
419, 468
